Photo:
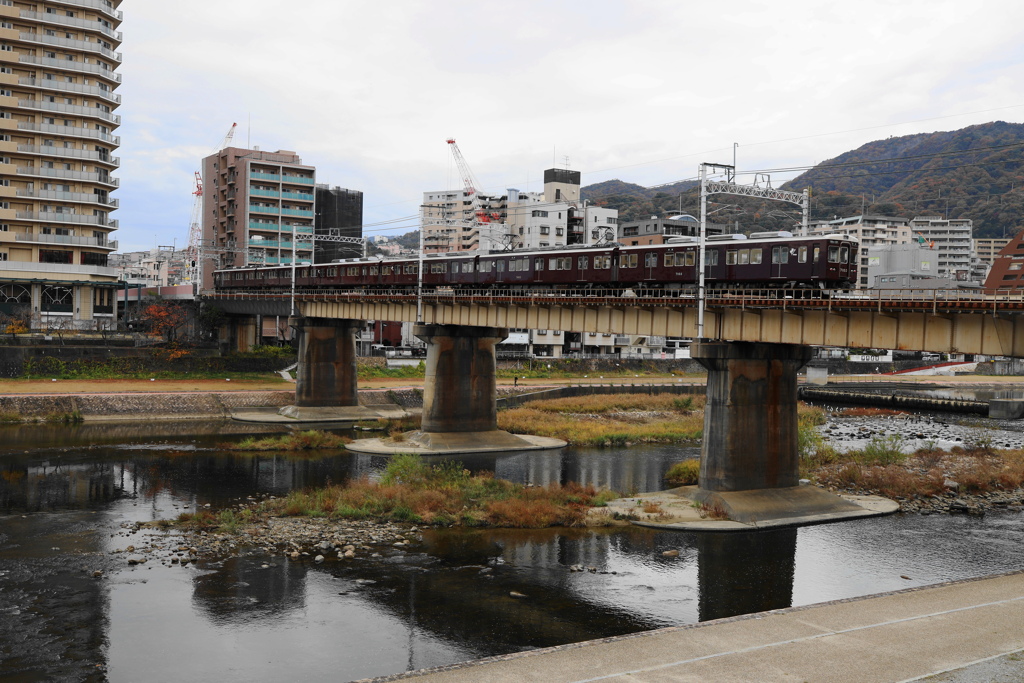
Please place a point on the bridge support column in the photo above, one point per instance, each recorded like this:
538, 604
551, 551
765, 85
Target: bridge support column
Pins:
326, 374
749, 463
460, 409
750, 430
460, 389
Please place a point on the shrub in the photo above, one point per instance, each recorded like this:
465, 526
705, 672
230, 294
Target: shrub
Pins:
882, 450
683, 473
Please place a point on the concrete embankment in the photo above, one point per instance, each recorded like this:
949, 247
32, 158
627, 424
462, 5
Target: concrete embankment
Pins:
118, 407
964, 631
892, 400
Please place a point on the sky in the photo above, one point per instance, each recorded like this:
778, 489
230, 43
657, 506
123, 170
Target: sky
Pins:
642, 91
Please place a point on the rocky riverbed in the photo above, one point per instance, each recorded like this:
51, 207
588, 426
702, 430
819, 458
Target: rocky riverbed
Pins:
935, 432
316, 539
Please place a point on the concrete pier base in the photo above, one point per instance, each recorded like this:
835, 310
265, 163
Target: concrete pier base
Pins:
749, 463
460, 410
326, 373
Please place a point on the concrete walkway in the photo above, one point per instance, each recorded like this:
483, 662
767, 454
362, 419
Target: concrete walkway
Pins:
963, 631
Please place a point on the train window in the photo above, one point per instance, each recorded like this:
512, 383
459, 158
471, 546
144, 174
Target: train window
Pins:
485, 266
538, 264
711, 257
583, 262
333, 272
260, 275
410, 268
730, 257
833, 254
650, 259
780, 255
352, 271
602, 262
467, 267
817, 254
438, 267
374, 270
691, 258
844, 254
364, 270
627, 261
744, 256
387, 270
801, 254
756, 255
669, 260
680, 258
501, 266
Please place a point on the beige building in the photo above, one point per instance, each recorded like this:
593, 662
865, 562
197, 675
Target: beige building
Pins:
987, 248
58, 62
258, 208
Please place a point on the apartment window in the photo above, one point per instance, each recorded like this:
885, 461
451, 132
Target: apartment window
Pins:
559, 232
4, 227
49, 32
92, 259
3, 255
544, 230
50, 55
6, 47
55, 256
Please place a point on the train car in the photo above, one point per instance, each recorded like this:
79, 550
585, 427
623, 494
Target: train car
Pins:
776, 260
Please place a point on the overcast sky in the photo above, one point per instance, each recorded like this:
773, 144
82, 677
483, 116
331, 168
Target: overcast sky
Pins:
642, 90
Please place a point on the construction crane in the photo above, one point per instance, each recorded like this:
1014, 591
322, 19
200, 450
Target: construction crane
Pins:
468, 181
921, 239
194, 252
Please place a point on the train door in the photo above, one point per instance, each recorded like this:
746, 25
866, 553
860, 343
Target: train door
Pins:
614, 274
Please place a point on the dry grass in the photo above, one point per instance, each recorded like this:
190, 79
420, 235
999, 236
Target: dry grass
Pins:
871, 412
683, 473
296, 441
610, 420
447, 494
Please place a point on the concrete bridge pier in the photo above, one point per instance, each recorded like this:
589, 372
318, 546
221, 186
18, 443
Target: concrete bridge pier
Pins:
326, 384
749, 466
460, 413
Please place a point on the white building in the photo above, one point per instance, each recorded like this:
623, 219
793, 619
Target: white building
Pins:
952, 239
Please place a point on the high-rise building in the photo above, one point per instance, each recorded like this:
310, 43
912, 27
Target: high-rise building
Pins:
257, 209
339, 212
58, 74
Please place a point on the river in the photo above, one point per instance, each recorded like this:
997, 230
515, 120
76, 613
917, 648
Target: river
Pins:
70, 495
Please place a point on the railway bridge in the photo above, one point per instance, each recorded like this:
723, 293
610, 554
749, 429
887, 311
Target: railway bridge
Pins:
753, 343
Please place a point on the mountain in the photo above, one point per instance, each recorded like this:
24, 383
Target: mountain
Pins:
975, 172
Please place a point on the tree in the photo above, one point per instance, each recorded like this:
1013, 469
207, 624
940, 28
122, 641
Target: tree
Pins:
164, 318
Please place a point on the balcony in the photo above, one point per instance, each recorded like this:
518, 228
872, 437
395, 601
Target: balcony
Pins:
67, 268
621, 341
71, 132
62, 20
70, 153
297, 196
66, 65
306, 213
253, 192
72, 175
276, 244
64, 86
71, 109
101, 5
76, 218
85, 45
270, 227
264, 176
68, 197
99, 242
297, 179
253, 208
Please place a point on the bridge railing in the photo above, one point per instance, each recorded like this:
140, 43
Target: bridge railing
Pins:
889, 299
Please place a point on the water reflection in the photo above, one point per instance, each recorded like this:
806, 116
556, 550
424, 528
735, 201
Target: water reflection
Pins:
764, 581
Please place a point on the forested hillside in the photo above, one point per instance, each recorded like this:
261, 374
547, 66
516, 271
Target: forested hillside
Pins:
976, 172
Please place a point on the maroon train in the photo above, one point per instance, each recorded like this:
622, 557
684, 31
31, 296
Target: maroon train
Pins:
764, 261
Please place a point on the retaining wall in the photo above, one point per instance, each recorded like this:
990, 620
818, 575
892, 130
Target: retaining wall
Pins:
177, 406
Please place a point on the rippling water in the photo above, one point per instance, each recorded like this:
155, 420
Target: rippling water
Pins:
63, 503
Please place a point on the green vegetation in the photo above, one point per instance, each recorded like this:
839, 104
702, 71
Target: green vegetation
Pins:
683, 473
610, 419
171, 361
295, 441
411, 490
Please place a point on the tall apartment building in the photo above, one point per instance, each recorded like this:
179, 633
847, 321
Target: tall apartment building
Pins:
58, 63
987, 248
338, 212
951, 238
258, 209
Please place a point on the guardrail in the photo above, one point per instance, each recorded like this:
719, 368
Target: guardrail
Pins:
889, 300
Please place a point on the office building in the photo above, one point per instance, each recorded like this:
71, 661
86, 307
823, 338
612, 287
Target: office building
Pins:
58, 70
257, 209
339, 213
